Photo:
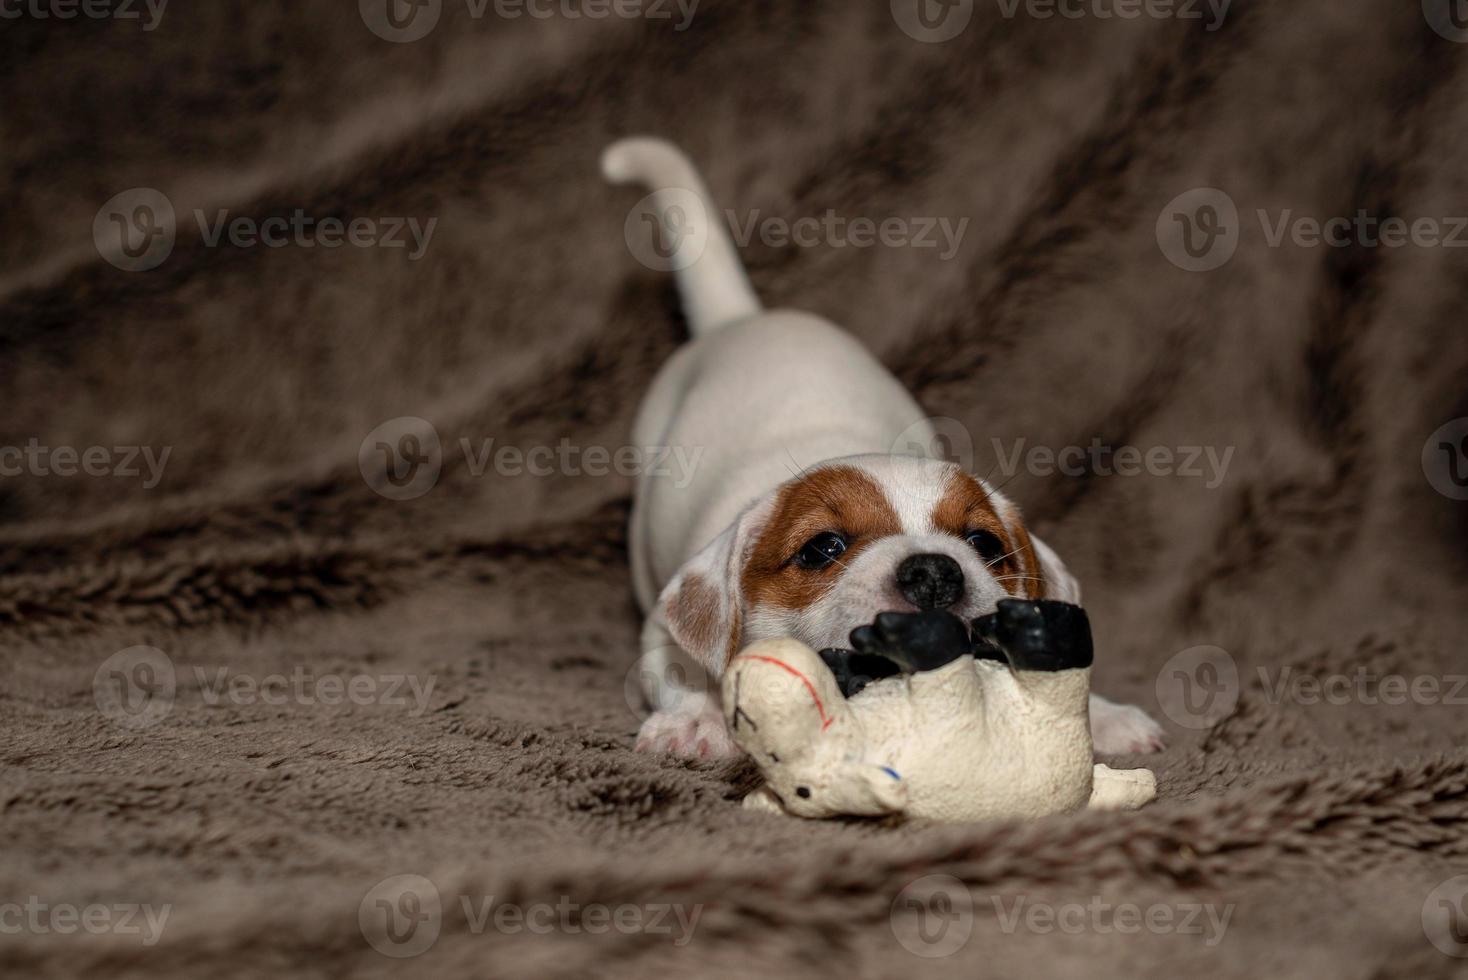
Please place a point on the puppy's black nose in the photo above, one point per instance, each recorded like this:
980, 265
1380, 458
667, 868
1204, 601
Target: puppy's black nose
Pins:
930, 581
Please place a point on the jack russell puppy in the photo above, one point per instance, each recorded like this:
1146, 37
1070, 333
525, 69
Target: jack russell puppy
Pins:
800, 519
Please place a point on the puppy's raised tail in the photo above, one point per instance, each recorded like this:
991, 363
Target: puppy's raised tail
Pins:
690, 239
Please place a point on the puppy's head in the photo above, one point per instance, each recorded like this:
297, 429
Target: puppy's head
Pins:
827, 551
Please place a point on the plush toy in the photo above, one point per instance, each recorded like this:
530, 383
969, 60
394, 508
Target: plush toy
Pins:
924, 719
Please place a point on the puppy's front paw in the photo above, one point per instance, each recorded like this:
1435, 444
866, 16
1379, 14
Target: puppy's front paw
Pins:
1040, 634
687, 734
1123, 729
914, 641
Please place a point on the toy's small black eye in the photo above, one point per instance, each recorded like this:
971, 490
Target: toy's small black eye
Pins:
803, 792
821, 550
989, 547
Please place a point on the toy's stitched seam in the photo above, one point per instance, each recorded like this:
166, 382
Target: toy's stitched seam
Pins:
825, 719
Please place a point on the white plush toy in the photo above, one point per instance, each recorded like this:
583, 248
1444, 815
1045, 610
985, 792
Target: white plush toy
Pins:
962, 728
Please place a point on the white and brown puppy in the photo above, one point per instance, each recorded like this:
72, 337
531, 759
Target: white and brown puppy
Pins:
799, 519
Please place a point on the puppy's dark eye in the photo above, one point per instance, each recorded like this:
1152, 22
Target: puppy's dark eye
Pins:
989, 547
821, 550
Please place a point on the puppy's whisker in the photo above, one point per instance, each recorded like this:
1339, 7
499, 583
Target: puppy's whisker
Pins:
802, 469
991, 491
1002, 557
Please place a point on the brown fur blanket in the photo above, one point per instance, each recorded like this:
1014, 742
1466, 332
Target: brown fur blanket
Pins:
1308, 827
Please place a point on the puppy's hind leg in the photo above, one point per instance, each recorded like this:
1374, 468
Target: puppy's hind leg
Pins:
686, 718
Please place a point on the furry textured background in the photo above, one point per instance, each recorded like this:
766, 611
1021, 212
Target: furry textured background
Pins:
1321, 829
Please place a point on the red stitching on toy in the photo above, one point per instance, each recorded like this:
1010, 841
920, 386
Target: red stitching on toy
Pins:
825, 721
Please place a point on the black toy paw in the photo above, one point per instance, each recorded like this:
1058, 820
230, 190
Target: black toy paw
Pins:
1039, 634
854, 671
914, 641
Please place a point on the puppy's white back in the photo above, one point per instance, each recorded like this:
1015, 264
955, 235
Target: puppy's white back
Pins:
760, 400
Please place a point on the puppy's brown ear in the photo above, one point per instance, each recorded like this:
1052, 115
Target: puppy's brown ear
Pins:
1059, 582
702, 608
